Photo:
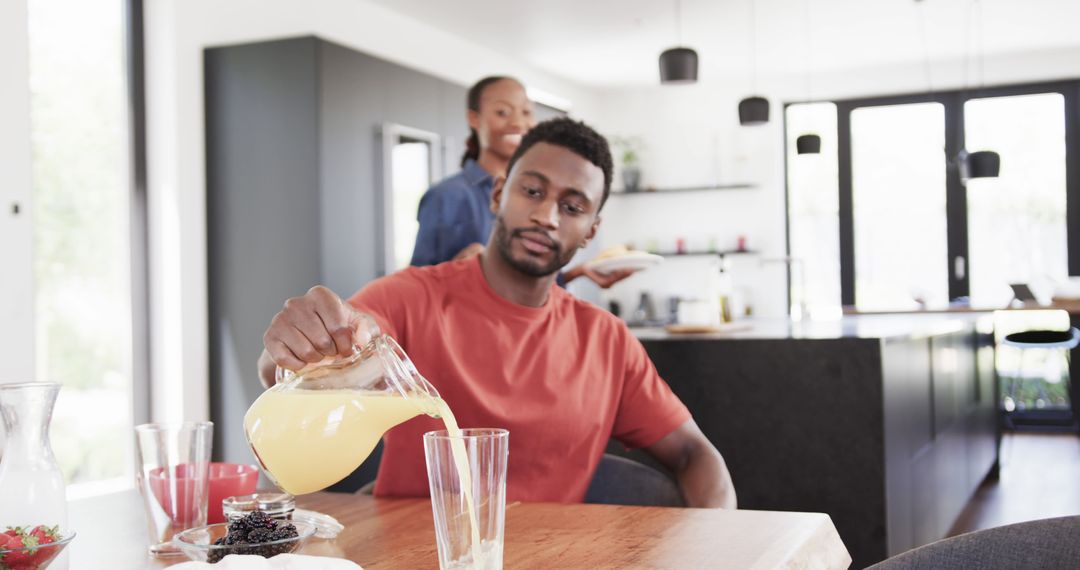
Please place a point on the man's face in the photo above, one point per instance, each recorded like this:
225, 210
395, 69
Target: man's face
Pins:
546, 209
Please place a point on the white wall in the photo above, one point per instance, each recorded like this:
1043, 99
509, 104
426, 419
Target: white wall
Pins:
176, 32
16, 232
693, 138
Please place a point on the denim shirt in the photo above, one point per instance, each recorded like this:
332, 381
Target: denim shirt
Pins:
454, 214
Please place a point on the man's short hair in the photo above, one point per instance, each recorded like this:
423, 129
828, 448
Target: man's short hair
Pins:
574, 136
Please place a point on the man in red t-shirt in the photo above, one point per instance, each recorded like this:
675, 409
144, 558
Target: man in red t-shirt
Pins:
506, 347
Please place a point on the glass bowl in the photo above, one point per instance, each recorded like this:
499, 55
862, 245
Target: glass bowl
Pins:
198, 543
34, 557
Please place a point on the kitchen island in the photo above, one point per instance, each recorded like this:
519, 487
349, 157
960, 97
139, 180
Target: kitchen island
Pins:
886, 423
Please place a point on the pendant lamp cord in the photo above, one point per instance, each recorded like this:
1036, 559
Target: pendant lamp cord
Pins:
753, 48
678, 21
809, 50
982, 52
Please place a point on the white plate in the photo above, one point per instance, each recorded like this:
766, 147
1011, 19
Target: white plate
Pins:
634, 260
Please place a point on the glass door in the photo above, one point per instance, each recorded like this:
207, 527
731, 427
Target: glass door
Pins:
898, 200
1016, 222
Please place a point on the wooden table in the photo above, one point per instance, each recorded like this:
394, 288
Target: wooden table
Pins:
385, 533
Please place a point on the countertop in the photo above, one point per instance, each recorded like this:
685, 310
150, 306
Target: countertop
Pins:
874, 327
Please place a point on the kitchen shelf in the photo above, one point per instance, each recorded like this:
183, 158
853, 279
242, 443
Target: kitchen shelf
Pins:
723, 253
647, 192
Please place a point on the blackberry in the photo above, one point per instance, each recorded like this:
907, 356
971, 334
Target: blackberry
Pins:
259, 519
285, 531
248, 535
260, 535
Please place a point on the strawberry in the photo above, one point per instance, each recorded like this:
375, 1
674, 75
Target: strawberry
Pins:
20, 558
45, 534
18, 537
36, 539
43, 555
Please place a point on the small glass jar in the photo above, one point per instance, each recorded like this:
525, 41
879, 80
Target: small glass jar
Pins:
278, 505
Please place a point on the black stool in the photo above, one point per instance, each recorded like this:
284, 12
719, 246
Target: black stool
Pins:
1040, 400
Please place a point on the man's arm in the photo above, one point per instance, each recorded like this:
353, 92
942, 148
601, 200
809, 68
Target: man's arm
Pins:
701, 471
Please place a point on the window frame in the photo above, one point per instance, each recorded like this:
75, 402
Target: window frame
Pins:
956, 197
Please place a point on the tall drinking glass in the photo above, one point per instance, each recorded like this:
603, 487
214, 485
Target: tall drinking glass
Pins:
173, 478
467, 476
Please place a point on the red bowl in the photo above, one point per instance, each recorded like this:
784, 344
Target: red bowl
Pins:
228, 480
225, 480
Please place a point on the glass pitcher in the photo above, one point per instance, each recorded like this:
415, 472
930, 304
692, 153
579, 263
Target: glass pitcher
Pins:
316, 426
32, 488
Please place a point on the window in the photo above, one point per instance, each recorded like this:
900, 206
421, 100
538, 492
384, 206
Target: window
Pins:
911, 233
82, 294
411, 165
412, 177
1016, 222
898, 181
813, 212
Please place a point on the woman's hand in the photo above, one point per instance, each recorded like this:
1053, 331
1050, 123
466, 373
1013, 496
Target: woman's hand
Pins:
604, 280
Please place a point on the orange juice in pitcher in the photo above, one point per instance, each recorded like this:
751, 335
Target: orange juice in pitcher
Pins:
314, 427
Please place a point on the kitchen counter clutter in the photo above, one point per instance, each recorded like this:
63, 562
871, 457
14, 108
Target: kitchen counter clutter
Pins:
852, 326
885, 422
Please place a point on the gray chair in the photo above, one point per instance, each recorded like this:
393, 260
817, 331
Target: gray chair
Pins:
621, 481
1045, 543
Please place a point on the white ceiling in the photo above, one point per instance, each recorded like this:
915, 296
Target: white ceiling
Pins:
616, 42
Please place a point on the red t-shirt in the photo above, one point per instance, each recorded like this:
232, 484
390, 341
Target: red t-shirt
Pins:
563, 378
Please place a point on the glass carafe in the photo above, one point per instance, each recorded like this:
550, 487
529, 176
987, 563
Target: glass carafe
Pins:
31, 484
316, 426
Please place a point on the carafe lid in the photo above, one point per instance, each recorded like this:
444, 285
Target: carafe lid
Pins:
274, 503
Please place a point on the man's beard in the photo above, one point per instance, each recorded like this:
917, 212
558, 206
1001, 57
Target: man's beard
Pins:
531, 267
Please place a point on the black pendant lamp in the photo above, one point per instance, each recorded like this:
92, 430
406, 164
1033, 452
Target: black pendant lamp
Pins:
978, 164
981, 163
753, 111
808, 144
678, 65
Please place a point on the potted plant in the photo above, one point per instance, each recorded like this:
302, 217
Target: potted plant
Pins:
630, 158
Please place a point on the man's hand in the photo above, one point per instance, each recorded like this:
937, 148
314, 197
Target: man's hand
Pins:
703, 476
310, 328
470, 251
604, 280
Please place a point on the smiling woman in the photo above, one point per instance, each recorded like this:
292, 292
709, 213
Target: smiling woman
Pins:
455, 215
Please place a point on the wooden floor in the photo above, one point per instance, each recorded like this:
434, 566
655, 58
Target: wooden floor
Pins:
1040, 478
